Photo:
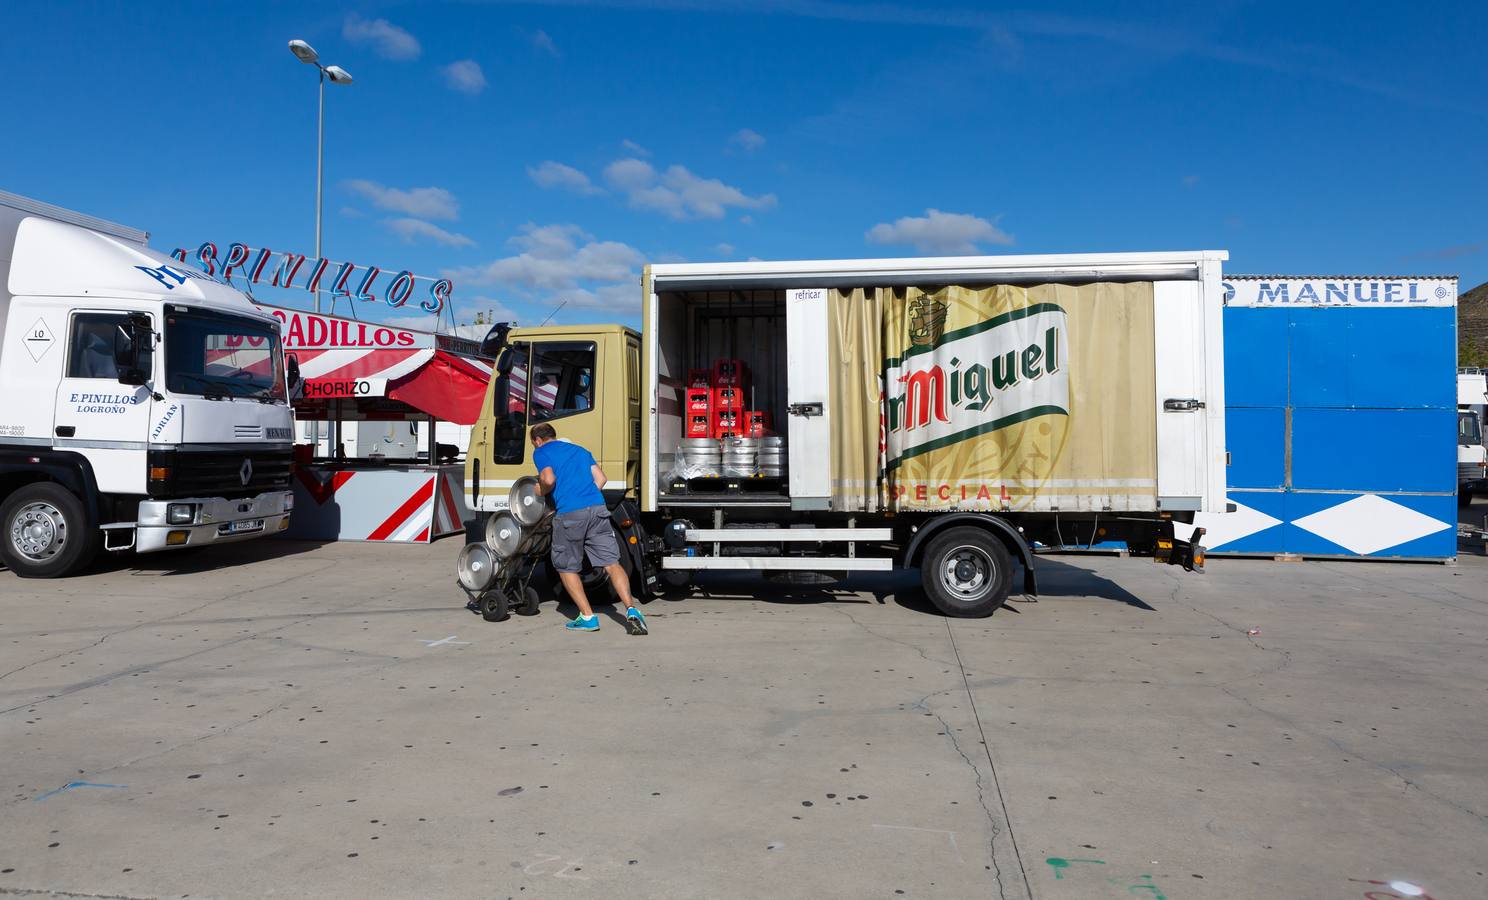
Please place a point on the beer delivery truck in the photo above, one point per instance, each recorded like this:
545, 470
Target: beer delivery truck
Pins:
807, 419
144, 405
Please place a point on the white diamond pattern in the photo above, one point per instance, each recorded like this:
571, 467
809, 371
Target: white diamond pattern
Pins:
1369, 524
1225, 528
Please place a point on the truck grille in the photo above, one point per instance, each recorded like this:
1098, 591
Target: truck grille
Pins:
219, 473
248, 432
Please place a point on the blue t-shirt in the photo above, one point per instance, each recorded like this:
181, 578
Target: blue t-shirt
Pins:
570, 463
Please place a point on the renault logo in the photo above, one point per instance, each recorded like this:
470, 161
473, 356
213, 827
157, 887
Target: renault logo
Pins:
245, 474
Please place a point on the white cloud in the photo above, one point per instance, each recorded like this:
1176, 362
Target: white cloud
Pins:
351, 212
678, 192
564, 262
425, 202
747, 139
387, 40
940, 233
412, 229
550, 174
542, 41
464, 76
634, 149
725, 249
1190, 181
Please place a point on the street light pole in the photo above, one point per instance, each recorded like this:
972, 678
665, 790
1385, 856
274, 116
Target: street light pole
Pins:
319, 172
306, 54
337, 75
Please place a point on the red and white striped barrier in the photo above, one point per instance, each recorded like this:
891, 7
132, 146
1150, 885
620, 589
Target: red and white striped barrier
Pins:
406, 505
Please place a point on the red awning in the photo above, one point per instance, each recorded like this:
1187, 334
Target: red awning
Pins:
448, 387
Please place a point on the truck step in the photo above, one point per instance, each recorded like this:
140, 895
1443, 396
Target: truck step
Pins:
780, 563
772, 535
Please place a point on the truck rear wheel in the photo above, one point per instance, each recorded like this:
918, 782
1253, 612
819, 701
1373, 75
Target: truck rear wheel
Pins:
966, 572
45, 532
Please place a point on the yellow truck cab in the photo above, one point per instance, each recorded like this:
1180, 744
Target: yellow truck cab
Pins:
584, 380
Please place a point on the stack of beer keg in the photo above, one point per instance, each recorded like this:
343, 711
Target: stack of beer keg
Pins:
757, 457
702, 457
512, 535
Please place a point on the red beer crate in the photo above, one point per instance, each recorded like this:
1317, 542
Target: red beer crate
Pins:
726, 423
700, 378
728, 397
699, 425
699, 400
757, 423
730, 372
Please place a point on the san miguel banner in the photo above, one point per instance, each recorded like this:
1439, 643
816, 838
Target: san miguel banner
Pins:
1002, 397
295, 270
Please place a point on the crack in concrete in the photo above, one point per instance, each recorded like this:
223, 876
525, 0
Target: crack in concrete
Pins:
44, 892
1224, 687
388, 663
923, 655
991, 767
950, 732
161, 621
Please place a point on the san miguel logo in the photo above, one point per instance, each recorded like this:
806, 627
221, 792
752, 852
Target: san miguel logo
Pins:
950, 386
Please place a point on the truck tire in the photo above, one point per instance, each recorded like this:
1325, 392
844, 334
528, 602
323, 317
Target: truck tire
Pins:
966, 572
45, 532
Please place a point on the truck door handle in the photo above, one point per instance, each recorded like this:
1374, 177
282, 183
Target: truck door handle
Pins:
1187, 404
66, 430
805, 409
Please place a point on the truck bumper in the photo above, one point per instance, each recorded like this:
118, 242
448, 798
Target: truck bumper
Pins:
214, 520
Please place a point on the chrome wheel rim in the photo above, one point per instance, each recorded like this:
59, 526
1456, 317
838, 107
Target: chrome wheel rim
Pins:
968, 573
38, 531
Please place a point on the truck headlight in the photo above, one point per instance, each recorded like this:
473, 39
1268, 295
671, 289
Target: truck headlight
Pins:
180, 513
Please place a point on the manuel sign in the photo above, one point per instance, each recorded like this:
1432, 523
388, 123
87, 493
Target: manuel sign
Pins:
1367, 292
346, 279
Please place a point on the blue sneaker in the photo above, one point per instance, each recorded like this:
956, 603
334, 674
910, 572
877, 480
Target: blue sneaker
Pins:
583, 623
635, 623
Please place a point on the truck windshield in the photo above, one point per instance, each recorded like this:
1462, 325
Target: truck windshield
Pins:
1469, 430
209, 354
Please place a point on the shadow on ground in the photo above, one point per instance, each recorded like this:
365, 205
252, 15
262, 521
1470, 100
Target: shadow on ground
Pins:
196, 560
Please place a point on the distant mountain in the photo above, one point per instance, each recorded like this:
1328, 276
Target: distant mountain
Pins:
1472, 327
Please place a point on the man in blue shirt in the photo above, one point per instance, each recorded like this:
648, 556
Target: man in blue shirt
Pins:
582, 527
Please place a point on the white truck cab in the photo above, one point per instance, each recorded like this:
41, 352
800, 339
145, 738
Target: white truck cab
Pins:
1472, 457
142, 403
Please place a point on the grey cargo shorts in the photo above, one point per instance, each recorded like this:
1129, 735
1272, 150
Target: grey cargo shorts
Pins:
582, 532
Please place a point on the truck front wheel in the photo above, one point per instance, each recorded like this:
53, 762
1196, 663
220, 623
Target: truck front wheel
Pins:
966, 572
45, 532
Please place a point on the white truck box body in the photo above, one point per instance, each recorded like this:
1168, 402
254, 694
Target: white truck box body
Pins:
1186, 323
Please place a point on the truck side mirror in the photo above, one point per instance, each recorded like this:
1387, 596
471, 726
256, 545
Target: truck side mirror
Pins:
131, 337
495, 340
291, 371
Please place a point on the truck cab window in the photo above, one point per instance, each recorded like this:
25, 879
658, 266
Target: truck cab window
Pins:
562, 380
509, 444
1469, 430
90, 351
215, 355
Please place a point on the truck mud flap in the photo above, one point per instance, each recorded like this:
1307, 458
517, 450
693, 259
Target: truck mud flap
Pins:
1176, 552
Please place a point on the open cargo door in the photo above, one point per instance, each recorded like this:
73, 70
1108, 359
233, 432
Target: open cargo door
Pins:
808, 428
1190, 404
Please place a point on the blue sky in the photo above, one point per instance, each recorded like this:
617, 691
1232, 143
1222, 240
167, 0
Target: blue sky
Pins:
540, 152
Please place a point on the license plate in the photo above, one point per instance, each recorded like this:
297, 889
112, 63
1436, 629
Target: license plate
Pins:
242, 527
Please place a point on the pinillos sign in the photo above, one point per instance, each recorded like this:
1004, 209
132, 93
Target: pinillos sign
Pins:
295, 270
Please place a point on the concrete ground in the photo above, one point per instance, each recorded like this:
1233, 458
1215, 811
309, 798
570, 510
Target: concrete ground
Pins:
327, 721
